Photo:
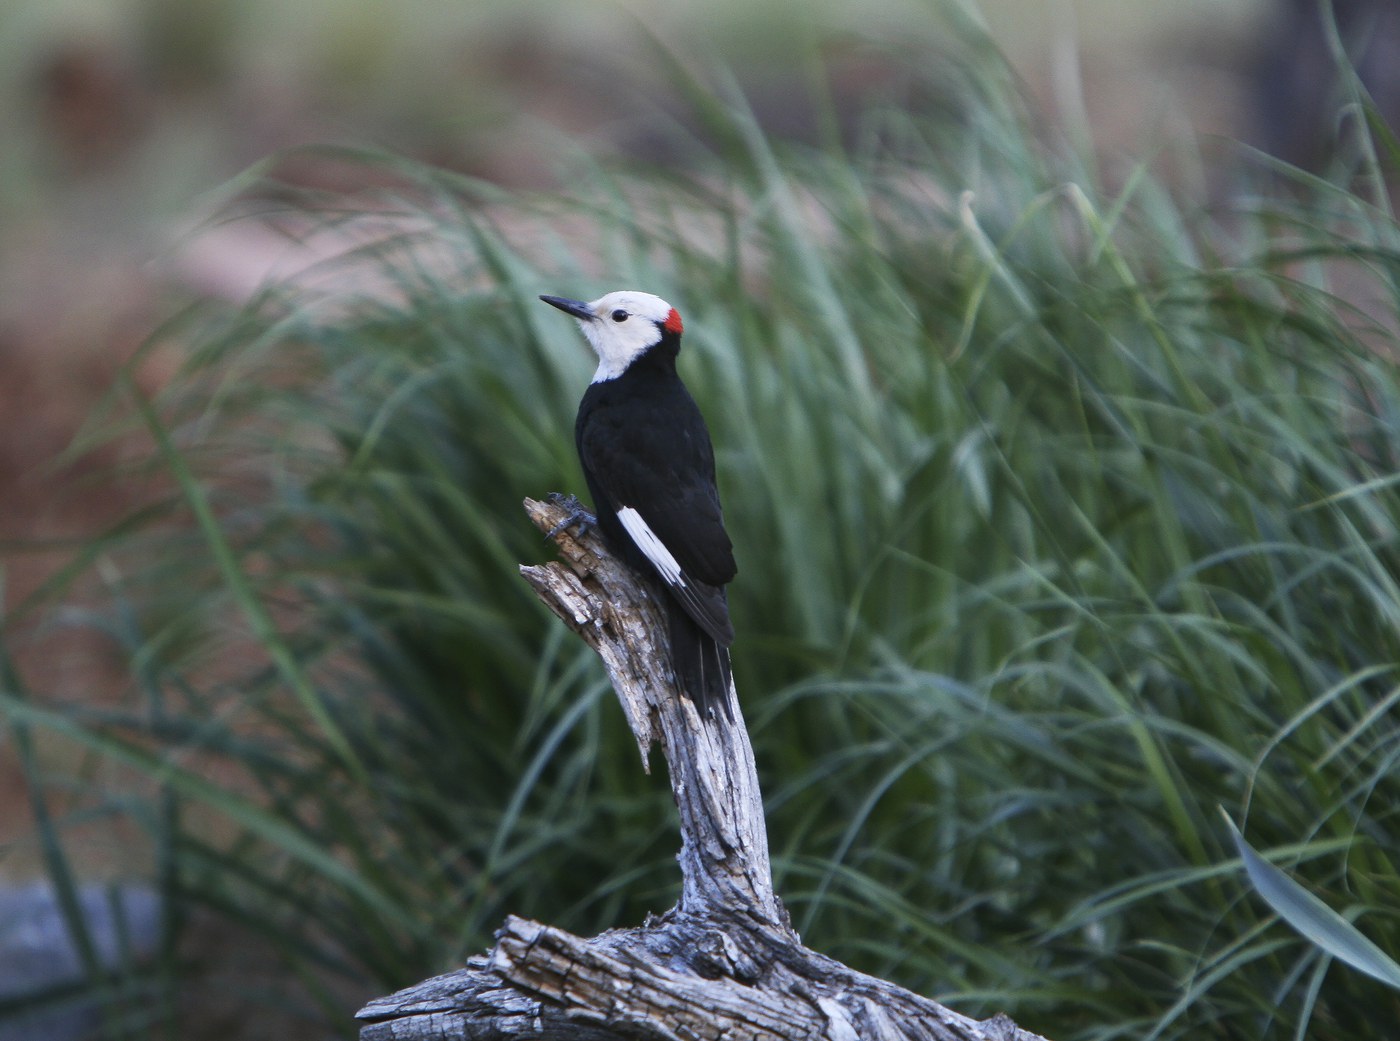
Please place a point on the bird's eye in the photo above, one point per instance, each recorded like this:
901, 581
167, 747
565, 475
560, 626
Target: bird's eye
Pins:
619, 315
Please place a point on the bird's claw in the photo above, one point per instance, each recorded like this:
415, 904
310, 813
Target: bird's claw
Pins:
578, 516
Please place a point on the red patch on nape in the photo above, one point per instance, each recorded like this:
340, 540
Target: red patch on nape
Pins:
673, 322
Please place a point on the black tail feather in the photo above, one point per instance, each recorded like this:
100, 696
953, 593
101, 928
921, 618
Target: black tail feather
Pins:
701, 665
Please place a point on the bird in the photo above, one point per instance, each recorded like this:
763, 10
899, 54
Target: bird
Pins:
650, 467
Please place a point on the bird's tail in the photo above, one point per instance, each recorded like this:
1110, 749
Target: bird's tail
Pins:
701, 664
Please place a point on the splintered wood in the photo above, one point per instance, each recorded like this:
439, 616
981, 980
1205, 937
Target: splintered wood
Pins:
724, 964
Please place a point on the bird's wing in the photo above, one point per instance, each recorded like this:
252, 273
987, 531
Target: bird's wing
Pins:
669, 507
702, 601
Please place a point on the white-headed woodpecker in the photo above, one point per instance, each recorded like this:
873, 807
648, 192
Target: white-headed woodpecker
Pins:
650, 468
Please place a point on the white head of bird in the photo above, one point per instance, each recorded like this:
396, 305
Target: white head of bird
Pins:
620, 327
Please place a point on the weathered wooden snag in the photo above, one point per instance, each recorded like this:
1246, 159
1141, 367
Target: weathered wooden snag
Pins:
724, 963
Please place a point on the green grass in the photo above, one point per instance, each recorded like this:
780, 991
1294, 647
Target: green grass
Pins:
1065, 515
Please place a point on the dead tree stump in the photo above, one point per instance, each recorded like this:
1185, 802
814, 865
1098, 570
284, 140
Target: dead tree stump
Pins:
724, 963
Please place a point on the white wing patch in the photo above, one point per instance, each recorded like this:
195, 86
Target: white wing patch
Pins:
652, 547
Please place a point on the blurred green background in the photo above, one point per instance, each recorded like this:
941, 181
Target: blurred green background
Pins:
1048, 350
123, 119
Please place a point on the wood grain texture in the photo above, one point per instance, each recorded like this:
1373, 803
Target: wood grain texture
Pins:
725, 963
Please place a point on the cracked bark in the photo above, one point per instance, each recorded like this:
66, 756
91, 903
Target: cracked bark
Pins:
724, 963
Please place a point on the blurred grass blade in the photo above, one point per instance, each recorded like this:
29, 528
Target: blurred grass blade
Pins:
55, 857
254, 611
1311, 918
278, 832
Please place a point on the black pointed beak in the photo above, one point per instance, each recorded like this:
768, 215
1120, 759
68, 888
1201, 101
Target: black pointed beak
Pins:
577, 308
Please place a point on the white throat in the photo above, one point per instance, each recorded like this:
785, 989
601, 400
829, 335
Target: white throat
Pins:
611, 363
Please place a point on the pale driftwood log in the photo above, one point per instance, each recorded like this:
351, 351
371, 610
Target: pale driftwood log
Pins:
724, 963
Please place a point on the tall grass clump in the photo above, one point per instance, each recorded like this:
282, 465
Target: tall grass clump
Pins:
1066, 516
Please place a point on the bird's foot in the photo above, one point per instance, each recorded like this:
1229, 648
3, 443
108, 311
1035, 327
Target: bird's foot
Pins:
578, 517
